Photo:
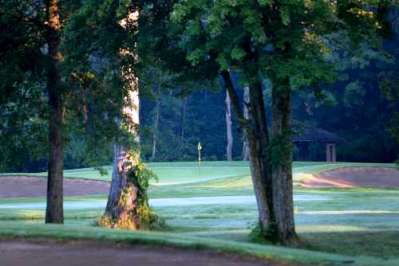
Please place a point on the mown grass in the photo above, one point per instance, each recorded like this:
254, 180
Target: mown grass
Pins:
355, 222
274, 253
189, 172
352, 222
382, 244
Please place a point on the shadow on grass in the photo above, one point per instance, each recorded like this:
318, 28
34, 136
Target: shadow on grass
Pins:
382, 244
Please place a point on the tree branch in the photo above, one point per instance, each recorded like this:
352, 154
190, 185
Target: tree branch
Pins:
235, 101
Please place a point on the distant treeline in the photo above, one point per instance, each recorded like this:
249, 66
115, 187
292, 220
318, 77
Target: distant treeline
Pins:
361, 108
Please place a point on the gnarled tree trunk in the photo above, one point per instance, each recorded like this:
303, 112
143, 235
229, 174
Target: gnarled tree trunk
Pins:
229, 129
121, 211
122, 206
54, 210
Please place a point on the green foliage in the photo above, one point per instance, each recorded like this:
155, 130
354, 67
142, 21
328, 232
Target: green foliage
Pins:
140, 176
278, 33
90, 112
22, 98
133, 201
186, 56
96, 71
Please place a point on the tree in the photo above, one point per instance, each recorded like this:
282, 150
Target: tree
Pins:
124, 197
40, 25
55, 201
23, 128
245, 148
106, 61
80, 82
229, 129
289, 43
155, 129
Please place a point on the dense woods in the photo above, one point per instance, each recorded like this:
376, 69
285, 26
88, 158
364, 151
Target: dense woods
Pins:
208, 125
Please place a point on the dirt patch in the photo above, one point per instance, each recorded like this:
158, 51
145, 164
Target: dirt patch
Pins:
33, 253
29, 186
350, 177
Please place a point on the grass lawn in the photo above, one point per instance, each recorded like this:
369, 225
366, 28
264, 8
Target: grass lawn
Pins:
349, 222
188, 172
71, 232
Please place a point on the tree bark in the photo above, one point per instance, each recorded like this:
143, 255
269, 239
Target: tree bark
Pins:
282, 162
121, 206
245, 147
54, 210
258, 142
121, 210
256, 132
229, 129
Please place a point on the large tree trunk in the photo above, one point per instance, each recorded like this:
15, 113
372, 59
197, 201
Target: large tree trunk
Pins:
282, 163
229, 129
245, 146
256, 132
121, 209
54, 210
123, 199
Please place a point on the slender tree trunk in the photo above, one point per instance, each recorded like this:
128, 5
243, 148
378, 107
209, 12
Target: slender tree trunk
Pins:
258, 142
229, 129
282, 163
183, 121
245, 147
155, 128
256, 132
54, 210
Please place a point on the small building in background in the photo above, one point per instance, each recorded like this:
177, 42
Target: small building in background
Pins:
311, 143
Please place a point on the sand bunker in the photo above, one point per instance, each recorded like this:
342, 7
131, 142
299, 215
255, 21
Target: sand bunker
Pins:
29, 186
349, 177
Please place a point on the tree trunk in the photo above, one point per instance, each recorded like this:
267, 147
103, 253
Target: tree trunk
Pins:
54, 210
155, 128
245, 147
256, 132
229, 130
183, 112
258, 142
121, 209
282, 163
